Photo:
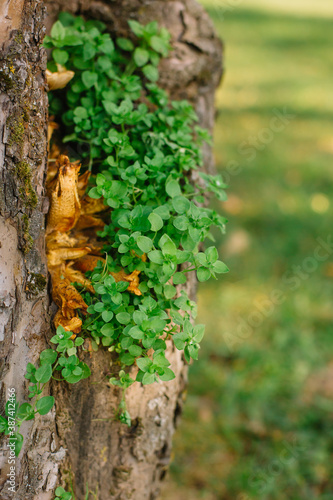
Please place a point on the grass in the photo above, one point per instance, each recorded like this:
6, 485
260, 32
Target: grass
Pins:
258, 419
313, 8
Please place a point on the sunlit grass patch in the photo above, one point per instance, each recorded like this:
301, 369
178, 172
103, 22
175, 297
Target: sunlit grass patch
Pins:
257, 390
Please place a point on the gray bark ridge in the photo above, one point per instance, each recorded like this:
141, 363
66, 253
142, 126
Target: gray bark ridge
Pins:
23, 274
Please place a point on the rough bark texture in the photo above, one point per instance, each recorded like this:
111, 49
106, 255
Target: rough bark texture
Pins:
23, 275
88, 445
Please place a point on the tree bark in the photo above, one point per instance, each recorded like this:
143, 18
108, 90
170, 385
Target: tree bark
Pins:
81, 442
24, 302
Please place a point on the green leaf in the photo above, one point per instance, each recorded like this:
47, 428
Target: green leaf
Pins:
118, 188
140, 56
148, 378
147, 342
151, 28
167, 375
136, 27
125, 44
193, 351
89, 51
160, 360
126, 342
107, 330
179, 340
168, 246
111, 109
100, 288
169, 291
99, 307
107, 46
58, 31
104, 63
139, 317
31, 368
85, 370
212, 254
71, 351
44, 373
199, 331
188, 243
157, 324
172, 187
220, 267
60, 56
201, 259
62, 494
159, 45
179, 278
107, 341
48, 356
78, 341
117, 297
203, 274
195, 234
44, 405
123, 318
18, 442
150, 72
156, 256
154, 59
180, 204
181, 223
136, 333
144, 363
71, 40
107, 316
89, 78
72, 379
81, 112
163, 211
127, 359
100, 179
145, 244
4, 424
156, 221
183, 257
135, 350
94, 193
25, 411
187, 355
48, 43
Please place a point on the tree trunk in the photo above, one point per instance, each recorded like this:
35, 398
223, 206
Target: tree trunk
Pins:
81, 442
24, 301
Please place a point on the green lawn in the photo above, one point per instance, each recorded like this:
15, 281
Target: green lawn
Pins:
259, 411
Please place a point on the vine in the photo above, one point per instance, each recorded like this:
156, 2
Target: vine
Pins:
141, 149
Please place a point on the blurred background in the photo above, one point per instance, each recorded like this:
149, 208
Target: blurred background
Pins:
259, 411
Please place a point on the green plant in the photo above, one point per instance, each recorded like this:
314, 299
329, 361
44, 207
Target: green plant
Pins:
63, 360
62, 494
142, 147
